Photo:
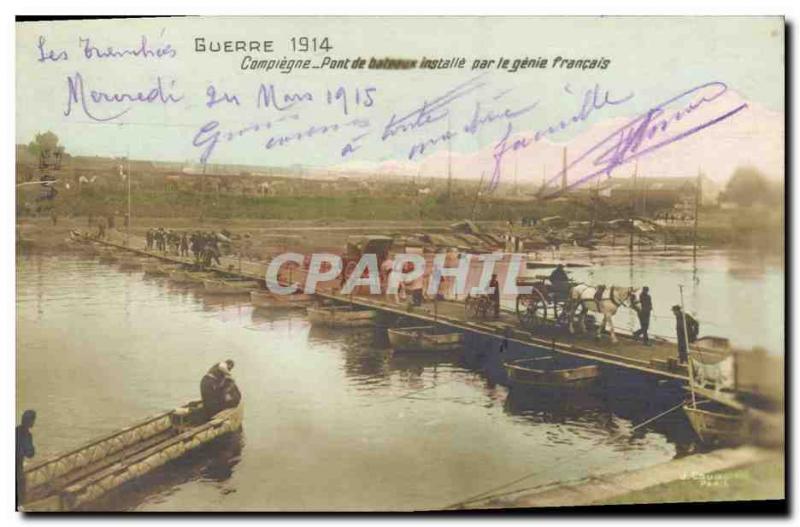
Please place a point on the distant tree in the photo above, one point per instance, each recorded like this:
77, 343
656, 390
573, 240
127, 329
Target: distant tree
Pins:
46, 143
747, 186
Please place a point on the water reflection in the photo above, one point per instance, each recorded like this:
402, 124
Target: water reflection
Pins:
213, 463
556, 406
362, 351
379, 430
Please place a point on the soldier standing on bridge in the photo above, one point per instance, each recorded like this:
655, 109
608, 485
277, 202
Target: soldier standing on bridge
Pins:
643, 308
494, 287
687, 329
184, 245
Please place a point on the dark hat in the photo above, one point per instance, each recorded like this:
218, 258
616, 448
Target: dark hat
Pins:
28, 418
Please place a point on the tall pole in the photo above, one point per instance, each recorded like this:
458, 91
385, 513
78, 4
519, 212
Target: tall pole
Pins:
696, 213
516, 163
130, 218
449, 162
544, 180
477, 196
634, 194
644, 197
633, 207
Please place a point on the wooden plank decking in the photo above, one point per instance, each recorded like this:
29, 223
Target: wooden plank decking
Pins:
657, 359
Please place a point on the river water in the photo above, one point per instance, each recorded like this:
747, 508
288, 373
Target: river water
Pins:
332, 420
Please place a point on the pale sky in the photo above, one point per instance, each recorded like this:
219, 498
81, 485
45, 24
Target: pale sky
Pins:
651, 60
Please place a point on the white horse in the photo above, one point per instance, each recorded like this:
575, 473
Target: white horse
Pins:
584, 296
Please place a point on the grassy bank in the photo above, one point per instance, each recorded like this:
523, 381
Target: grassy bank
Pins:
762, 481
750, 227
332, 207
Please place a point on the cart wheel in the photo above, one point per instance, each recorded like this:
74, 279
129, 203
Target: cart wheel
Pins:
531, 309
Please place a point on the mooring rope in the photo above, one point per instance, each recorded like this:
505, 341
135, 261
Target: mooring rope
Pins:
493, 492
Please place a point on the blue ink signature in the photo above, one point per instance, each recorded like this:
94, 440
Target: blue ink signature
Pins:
654, 129
77, 95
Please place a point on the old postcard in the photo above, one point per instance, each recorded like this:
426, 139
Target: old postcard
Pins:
398, 264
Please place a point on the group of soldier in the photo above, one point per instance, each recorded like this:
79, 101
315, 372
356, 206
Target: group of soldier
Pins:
204, 246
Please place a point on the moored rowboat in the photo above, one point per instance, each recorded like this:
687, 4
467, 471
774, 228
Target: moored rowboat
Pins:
228, 287
108, 258
131, 263
181, 276
340, 316
423, 338
298, 300
158, 269
73, 479
547, 371
716, 425
263, 298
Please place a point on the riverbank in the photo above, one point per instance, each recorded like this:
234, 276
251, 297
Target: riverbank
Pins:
744, 473
263, 237
757, 226
564, 473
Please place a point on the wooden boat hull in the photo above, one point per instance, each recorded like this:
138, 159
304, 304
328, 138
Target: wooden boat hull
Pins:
74, 479
229, 287
267, 299
108, 258
340, 317
422, 340
179, 276
131, 264
716, 428
261, 298
526, 372
155, 269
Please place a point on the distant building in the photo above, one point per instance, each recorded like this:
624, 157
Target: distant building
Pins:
661, 190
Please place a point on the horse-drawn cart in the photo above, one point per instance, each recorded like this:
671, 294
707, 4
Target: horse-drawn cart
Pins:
548, 301
543, 303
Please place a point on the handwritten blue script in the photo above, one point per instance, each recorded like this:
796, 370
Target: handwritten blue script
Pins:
92, 102
592, 100
665, 123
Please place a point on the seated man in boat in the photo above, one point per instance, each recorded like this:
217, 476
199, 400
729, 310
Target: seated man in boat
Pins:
218, 389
